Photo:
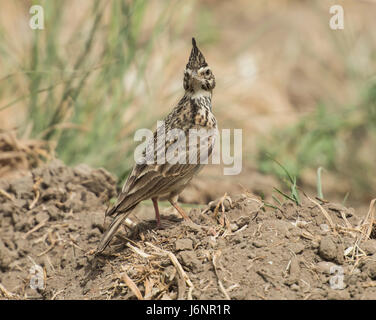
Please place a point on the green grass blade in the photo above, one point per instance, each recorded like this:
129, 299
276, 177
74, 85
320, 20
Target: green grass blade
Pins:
319, 183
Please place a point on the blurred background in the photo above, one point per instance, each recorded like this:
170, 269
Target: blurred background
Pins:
304, 94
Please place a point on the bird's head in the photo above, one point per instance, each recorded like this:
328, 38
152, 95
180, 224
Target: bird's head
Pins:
197, 73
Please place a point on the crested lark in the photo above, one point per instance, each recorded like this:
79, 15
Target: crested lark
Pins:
166, 180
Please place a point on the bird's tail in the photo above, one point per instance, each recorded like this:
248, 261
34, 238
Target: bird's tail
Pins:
109, 234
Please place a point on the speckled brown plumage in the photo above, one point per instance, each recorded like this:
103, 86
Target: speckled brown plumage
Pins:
166, 181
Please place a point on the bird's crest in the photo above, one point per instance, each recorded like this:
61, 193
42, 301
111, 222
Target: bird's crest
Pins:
196, 59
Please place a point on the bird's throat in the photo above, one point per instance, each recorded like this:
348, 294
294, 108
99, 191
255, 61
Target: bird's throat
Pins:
201, 93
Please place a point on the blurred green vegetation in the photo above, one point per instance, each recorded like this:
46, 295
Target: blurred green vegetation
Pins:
337, 136
77, 96
341, 141
78, 100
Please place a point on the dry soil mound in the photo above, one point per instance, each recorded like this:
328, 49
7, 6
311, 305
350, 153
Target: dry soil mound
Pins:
238, 248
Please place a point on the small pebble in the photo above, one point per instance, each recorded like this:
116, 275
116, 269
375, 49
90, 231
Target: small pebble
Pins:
295, 287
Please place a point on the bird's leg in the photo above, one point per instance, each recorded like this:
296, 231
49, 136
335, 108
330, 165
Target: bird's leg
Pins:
180, 210
156, 209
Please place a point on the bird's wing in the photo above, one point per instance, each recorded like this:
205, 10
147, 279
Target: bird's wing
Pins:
151, 180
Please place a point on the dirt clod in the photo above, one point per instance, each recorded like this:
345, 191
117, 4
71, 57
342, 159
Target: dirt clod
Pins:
370, 268
329, 250
183, 244
369, 246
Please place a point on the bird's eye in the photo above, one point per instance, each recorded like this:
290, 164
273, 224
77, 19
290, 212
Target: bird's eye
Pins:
207, 72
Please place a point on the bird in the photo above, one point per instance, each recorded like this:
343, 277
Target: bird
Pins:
166, 180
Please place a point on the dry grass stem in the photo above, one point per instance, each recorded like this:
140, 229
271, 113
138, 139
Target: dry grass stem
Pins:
37, 227
216, 255
138, 251
183, 275
131, 285
7, 195
325, 213
370, 218
6, 293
